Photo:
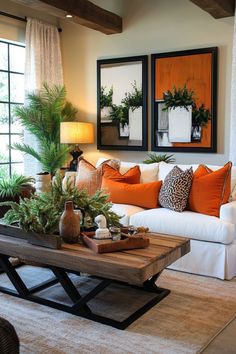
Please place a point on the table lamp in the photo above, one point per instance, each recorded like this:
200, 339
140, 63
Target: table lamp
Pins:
76, 133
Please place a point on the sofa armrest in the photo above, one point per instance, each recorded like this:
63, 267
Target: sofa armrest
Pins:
69, 178
228, 212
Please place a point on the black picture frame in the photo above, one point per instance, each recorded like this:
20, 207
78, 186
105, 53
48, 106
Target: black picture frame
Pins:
123, 75
173, 61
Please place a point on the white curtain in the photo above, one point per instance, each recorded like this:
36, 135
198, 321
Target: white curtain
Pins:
232, 146
43, 64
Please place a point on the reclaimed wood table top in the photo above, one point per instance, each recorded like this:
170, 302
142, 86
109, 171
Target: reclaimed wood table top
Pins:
131, 266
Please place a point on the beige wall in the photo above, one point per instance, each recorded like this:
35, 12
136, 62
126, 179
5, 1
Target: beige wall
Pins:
150, 26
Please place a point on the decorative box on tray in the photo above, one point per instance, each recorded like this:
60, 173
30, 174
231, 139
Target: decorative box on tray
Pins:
108, 245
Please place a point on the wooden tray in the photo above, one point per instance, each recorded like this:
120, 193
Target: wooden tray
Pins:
44, 240
105, 246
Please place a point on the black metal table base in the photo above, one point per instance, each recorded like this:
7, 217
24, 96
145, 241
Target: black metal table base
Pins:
80, 306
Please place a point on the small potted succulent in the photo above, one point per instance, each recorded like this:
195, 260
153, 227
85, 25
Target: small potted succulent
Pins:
179, 104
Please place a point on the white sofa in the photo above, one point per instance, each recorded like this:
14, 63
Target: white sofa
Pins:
213, 239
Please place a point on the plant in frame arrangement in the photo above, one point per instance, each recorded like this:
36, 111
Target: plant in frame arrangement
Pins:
134, 99
106, 98
179, 97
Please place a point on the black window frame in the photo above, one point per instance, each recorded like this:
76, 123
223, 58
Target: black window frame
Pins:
10, 104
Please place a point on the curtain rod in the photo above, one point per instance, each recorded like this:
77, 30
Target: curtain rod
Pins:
23, 19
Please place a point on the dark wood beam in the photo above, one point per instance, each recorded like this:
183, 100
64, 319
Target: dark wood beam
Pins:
84, 12
217, 8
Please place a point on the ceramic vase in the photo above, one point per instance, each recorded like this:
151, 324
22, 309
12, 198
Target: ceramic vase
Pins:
43, 182
69, 225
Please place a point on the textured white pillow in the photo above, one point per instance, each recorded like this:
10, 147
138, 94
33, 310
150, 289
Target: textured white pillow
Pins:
149, 173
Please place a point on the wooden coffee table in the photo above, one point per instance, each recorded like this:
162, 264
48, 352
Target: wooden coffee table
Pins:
137, 268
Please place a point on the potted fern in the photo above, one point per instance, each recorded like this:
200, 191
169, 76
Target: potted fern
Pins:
42, 117
179, 103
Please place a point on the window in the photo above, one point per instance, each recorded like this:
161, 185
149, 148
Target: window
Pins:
12, 61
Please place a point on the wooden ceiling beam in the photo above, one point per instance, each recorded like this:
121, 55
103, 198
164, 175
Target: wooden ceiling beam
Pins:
217, 8
84, 12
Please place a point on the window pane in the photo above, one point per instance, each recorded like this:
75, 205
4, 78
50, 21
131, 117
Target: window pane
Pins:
4, 171
17, 58
4, 118
15, 154
3, 56
17, 168
4, 152
16, 127
17, 88
3, 86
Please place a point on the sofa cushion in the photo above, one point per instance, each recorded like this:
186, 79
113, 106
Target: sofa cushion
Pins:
149, 173
210, 189
89, 177
175, 189
131, 176
125, 211
142, 194
187, 224
165, 168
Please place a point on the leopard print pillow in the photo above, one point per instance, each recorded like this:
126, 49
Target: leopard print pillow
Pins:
175, 189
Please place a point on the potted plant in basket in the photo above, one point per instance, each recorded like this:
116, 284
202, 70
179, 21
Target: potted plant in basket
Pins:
42, 117
179, 103
38, 217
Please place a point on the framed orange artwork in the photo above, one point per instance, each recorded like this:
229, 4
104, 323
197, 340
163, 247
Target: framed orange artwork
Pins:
184, 92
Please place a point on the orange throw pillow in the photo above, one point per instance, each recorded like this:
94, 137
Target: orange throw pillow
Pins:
131, 176
210, 189
144, 195
89, 177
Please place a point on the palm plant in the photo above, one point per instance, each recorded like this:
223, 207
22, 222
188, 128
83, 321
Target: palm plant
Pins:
179, 97
42, 117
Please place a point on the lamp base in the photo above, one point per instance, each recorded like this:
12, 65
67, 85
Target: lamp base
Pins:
76, 153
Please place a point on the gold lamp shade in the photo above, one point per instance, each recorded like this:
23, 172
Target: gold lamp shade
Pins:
76, 133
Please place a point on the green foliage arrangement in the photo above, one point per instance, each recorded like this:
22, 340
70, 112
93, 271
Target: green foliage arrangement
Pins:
133, 99
152, 158
200, 116
106, 98
42, 117
120, 114
42, 213
179, 97
11, 186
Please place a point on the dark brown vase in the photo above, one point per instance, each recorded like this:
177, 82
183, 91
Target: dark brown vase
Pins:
69, 225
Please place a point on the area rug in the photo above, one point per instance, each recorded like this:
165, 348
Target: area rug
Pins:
196, 309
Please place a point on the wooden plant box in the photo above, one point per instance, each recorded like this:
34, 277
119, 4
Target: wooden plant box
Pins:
105, 246
44, 240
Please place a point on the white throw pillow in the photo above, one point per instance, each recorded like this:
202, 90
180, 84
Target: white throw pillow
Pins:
149, 173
